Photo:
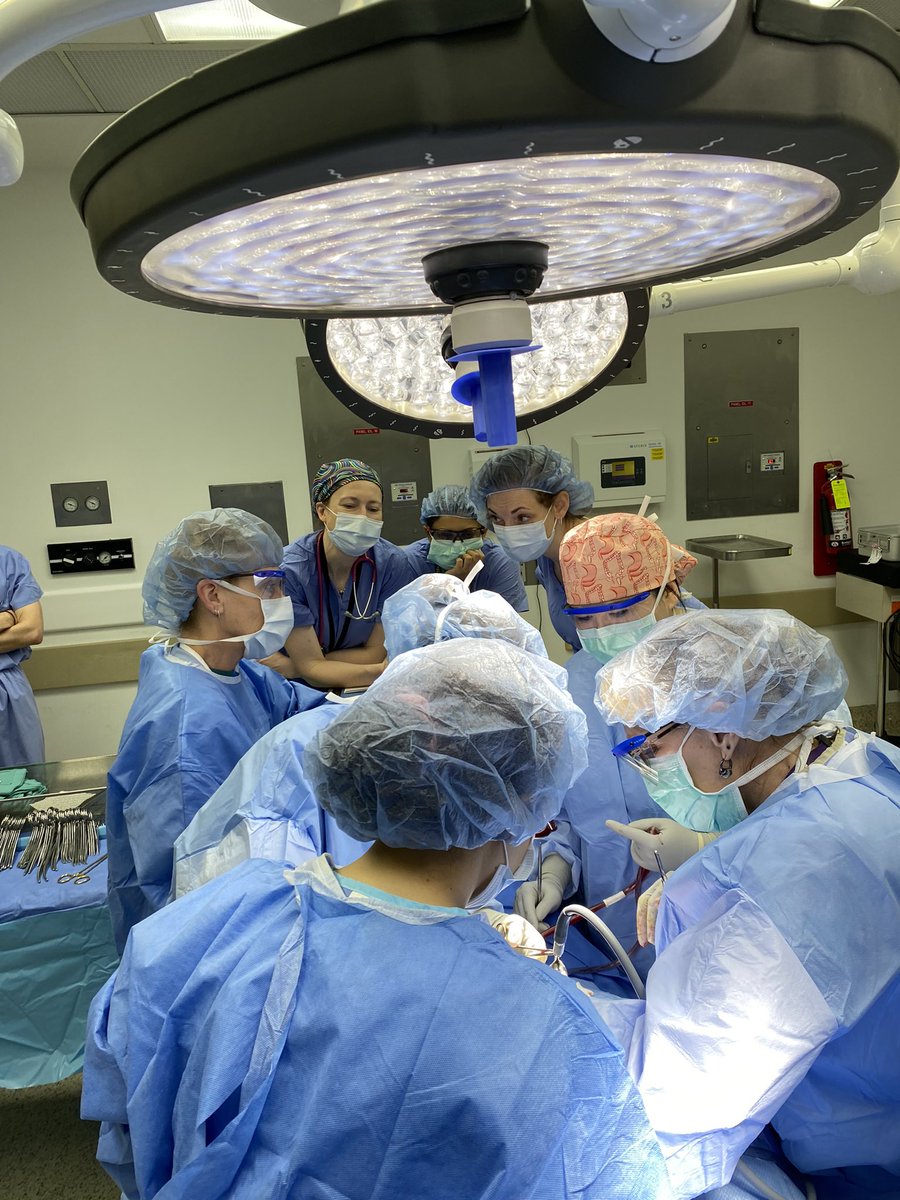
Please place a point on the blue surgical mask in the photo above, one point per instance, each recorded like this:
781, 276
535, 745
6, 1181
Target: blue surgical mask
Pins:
526, 542
354, 535
604, 644
503, 877
445, 554
675, 792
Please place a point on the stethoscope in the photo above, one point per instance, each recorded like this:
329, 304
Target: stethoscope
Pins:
356, 615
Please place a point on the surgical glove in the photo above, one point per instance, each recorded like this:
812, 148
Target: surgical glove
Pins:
671, 841
647, 908
522, 936
535, 900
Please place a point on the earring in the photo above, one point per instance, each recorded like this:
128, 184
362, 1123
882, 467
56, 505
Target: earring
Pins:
725, 768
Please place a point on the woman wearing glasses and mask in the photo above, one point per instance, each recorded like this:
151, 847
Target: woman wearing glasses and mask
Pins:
338, 579
776, 989
622, 576
530, 499
215, 588
455, 543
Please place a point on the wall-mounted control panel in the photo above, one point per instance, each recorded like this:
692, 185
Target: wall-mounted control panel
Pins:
81, 503
115, 554
622, 467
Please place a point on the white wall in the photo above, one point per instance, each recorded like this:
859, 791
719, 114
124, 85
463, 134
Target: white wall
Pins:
161, 403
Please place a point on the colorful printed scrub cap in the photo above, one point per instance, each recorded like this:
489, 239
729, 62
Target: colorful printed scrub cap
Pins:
617, 555
333, 475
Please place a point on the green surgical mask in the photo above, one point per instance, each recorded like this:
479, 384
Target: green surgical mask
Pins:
445, 554
605, 644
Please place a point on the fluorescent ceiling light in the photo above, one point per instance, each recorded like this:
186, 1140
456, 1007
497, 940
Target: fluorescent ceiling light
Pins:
221, 21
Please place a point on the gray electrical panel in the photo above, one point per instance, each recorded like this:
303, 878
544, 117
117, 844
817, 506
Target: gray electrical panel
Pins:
741, 422
403, 460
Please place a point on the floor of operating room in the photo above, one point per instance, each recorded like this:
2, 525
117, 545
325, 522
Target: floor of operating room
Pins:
47, 1151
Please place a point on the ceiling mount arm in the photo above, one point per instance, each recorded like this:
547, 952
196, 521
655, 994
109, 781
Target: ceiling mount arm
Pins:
871, 267
661, 30
30, 28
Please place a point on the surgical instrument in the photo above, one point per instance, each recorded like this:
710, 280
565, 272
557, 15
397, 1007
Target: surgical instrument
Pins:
82, 875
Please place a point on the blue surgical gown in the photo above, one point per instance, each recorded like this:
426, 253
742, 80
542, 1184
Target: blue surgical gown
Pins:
376, 575
264, 809
499, 574
562, 622
776, 991
185, 731
21, 735
607, 791
278, 1036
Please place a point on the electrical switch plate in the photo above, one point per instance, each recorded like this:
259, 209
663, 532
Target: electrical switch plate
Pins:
81, 503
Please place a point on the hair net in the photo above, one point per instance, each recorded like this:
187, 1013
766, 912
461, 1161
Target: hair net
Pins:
617, 555
485, 614
451, 500
456, 744
753, 672
333, 475
535, 467
205, 545
409, 617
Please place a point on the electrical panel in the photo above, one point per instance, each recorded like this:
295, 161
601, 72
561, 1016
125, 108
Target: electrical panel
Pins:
622, 468
114, 554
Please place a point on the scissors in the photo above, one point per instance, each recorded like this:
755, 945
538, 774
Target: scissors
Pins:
83, 874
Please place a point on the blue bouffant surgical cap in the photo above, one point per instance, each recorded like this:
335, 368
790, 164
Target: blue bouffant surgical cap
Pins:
451, 500
456, 744
205, 545
537, 468
753, 672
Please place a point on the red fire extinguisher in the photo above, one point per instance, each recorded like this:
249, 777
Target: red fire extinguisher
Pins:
832, 527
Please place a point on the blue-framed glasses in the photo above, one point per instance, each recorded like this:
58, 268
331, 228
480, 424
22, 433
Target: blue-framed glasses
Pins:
267, 584
587, 610
640, 750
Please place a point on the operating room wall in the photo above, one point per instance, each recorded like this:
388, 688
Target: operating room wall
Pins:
162, 403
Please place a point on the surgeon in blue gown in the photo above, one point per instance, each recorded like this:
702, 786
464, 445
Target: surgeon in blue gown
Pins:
266, 807
355, 1034
215, 588
775, 995
455, 542
530, 498
622, 576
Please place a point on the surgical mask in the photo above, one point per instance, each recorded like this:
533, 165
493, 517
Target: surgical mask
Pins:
604, 644
526, 542
445, 554
354, 535
278, 621
674, 790
503, 877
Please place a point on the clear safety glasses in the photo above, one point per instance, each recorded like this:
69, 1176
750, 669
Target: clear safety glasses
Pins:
639, 751
457, 535
268, 585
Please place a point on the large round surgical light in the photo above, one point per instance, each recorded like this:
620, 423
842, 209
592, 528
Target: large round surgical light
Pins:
310, 176
357, 245
389, 370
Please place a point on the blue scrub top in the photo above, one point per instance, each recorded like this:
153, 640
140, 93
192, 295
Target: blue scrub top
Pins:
377, 574
21, 735
278, 1037
500, 573
562, 622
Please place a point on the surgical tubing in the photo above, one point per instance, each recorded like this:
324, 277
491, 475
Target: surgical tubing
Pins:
608, 936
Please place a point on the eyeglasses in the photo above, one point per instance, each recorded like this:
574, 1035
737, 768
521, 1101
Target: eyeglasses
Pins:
456, 535
639, 751
268, 585
588, 610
